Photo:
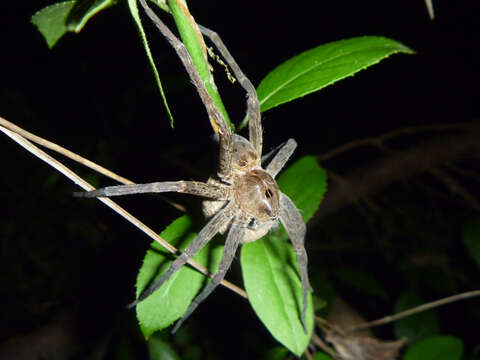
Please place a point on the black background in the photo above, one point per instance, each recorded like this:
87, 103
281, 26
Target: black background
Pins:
94, 93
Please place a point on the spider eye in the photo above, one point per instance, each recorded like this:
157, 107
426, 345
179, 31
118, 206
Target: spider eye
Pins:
268, 193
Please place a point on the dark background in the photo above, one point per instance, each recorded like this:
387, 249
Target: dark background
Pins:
73, 262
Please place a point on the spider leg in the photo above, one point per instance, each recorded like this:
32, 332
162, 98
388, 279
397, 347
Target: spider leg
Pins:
281, 158
219, 220
234, 237
272, 152
296, 229
226, 140
253, 105
189, 187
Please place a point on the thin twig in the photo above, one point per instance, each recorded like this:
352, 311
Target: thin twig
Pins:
61, 150
111, 204
403, 164
348, 188
424, 307
71, 155
379, 140
456, 188
318, 341
471, 174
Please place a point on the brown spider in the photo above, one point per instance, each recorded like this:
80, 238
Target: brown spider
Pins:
242, 199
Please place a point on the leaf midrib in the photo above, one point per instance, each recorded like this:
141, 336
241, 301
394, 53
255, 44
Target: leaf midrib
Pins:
284, 310
317, 65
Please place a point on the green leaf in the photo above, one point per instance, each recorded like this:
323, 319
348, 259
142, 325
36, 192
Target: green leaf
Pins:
159, 349
277, 353
132, 4
162, 4
172, 299
471, 238
55, 20
436, 348
305, 183
84, 10
323, 65
170, 302
321, 356
269, 265
275, 291
194, 43
362, 281
414, 327
50, 21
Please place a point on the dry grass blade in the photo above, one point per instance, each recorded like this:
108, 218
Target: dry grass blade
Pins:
71, 155
380, 140
424, 307
61, 150
429, 4
111, 204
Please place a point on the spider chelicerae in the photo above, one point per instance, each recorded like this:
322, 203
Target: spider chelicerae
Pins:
242, 199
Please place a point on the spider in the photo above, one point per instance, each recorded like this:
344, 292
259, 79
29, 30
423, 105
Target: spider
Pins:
242, 199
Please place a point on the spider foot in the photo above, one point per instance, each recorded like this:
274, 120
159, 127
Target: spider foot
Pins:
177, 326
89, 194
304, 324
132, 304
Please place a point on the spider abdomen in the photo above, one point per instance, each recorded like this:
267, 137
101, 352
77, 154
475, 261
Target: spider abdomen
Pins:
256, 193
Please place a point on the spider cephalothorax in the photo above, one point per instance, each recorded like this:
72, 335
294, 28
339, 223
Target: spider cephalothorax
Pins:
242, 199
252, 189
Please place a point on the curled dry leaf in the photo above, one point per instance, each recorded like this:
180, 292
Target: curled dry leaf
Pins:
359, 345
354, 347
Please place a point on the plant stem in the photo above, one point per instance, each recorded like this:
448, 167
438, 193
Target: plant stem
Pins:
193, 41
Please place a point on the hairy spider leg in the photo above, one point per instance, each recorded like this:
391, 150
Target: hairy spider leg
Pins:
218, 221
269, 155
225, 134
234, 238
295, 227
198, 188
281, 158
253, 105
289, 214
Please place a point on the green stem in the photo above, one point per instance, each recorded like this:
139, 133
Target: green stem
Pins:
192, 43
